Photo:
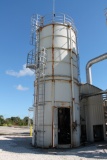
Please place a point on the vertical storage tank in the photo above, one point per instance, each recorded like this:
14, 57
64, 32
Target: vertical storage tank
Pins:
57, 110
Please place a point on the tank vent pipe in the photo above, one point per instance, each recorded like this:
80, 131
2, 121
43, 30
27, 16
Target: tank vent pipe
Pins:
90, 63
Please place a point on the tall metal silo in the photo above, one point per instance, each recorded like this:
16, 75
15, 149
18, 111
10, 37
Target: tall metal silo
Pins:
56, 97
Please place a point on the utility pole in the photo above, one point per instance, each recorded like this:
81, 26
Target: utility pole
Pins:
29, 116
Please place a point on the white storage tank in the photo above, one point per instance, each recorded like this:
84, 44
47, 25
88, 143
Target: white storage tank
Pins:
57, 110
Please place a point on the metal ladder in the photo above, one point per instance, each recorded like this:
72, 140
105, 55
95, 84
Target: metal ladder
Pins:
40, 111
41, 96
36, 60
32, 58
36, 24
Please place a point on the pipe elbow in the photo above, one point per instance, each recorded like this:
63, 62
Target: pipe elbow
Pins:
88, 65
91, 62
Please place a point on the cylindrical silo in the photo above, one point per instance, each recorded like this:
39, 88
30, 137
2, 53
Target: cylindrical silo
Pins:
57, 110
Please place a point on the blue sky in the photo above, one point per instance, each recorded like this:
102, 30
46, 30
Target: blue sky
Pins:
16, 82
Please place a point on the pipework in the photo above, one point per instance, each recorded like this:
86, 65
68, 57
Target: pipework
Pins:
90, 63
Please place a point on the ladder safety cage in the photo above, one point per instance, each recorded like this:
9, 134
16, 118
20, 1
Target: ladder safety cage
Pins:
41, 62
36, 23
36, 60
31, 59
40, 96
42, 57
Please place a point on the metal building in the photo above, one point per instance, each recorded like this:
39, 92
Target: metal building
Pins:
56, 98
93, 122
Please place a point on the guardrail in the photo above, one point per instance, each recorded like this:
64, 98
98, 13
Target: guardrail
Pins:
53, 19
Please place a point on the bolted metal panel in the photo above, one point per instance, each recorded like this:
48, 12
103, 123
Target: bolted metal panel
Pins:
61, 84
92, 110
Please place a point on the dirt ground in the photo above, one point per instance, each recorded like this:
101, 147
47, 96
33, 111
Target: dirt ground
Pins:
15, 143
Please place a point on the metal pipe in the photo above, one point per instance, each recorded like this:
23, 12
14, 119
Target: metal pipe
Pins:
90, 63
53, 87
71, 107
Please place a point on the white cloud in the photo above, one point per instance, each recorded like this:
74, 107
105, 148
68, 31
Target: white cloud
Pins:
24, 72
21, 88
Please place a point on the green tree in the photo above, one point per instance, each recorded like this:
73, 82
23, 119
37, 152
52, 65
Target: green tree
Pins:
25, 121
15, 120
9, 121
2, 120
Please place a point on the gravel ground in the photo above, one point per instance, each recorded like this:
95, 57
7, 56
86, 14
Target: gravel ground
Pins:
15, 146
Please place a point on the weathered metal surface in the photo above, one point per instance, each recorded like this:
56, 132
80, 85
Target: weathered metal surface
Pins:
57, 39
92, 110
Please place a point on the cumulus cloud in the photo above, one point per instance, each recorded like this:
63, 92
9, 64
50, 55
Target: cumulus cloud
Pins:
24, 72
21, 88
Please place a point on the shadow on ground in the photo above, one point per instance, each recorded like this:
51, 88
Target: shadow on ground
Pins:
23, 145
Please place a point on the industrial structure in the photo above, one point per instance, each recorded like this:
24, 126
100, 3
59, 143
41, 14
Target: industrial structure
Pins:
66, 112
93, 113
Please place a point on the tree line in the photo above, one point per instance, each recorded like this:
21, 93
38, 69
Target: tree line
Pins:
15, 121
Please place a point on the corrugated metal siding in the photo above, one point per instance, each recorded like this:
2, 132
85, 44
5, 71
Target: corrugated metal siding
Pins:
88, 89
94, 111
